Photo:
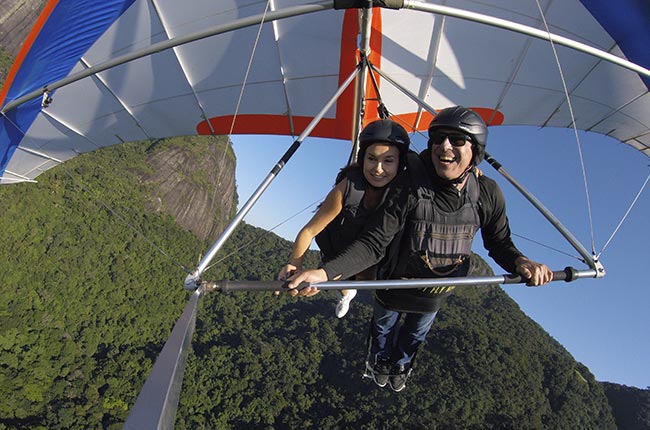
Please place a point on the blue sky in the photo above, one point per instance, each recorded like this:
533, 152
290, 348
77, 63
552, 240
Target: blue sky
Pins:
603, 322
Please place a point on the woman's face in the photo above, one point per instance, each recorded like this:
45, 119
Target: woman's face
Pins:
380, 164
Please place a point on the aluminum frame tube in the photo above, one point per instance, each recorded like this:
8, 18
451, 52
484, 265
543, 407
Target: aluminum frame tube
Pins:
157, 402
589, 259
569, 274
365, 19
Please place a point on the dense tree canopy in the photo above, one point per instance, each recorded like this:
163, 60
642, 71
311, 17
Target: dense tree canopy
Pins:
88, 299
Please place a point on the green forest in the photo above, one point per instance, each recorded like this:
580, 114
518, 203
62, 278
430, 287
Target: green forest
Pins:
91, 285
88, 301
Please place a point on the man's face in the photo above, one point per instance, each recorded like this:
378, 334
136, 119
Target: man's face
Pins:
451, 152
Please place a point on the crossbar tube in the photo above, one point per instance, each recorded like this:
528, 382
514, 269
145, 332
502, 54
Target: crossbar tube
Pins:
569, 274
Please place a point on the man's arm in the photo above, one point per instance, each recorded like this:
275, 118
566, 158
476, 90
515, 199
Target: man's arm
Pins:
495, 230
367, 250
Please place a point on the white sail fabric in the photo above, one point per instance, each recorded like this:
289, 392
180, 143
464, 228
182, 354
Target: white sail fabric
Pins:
296, 65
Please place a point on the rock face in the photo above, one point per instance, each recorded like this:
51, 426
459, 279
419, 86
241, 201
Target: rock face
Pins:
193, 180
16, 20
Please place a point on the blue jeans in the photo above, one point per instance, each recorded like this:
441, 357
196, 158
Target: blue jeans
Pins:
396, 344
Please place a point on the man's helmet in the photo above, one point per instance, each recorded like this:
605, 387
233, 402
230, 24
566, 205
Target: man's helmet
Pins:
383, 130
466, 121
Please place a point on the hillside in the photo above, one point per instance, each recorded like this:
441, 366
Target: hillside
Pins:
87, 304
87, 298
273, 363
631, 406
16, 20
91, 270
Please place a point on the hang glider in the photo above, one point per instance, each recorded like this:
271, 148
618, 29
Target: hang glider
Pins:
128, 70
98, 73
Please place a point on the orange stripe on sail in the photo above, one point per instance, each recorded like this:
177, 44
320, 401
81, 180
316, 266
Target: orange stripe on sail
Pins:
271, 124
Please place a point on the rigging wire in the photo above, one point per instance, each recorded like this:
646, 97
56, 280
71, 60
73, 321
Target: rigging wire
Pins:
382, 111
574, 126
624, 216
246, 245
234, 119
549, 247
245, 81
248, 68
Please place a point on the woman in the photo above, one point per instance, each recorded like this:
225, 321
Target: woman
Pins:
359, 190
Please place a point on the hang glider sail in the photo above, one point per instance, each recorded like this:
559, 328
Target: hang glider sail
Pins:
94, 74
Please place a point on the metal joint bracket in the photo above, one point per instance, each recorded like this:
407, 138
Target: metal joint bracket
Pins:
46, 100
600, 269
192, 281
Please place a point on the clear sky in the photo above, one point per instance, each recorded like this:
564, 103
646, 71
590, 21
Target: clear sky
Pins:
603, 322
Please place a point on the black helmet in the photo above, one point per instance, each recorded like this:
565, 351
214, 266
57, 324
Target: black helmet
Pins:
383, 130
467, 121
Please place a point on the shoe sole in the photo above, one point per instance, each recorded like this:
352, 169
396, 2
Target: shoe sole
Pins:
397, 390
368, 373
379, 384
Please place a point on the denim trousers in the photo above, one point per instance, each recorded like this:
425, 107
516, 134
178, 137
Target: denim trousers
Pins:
397, 343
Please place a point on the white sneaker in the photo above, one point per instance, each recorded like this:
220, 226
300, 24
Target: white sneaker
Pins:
343, 305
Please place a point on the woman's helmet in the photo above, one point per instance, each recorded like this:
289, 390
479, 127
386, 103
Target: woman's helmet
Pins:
383, 130
466, 121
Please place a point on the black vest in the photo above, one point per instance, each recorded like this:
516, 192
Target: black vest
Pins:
345, 228
434, 244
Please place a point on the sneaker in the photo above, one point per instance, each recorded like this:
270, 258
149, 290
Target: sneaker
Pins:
343, 305
379, 372
398, 376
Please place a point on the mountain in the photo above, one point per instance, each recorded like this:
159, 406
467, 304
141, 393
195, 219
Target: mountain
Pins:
91, 266
90, 286
90, 281
16, 20
631, 406
193, 180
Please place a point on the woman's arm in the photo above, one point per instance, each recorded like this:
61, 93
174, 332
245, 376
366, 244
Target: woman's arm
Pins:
330, 208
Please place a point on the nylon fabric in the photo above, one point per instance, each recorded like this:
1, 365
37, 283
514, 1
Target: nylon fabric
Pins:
435, 244
300, 63
347, 225
621, 19
72, 27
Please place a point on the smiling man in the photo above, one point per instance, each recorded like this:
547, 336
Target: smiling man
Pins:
425, 230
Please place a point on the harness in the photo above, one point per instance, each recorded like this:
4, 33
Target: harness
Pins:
347, 225
434, 243
439, 243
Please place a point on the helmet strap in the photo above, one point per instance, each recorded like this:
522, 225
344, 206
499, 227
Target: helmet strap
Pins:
461, 178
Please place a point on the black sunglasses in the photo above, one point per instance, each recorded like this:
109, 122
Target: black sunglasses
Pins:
455, 138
